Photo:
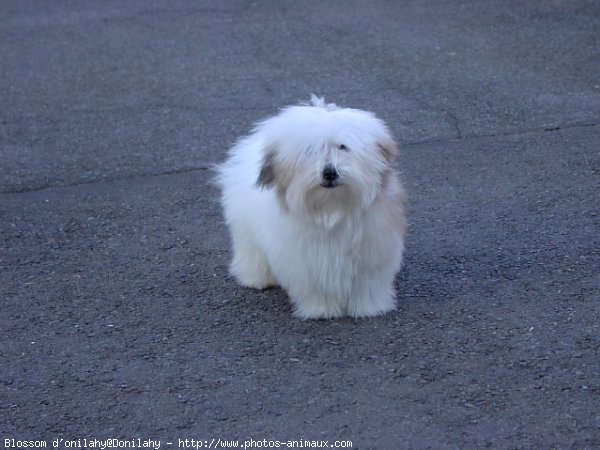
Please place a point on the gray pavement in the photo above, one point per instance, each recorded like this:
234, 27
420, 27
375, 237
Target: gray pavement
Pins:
117, 316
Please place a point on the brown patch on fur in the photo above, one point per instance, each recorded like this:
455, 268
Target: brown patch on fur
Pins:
389, 150
391, 187
394, 196
399, 212
398, 198
385, 179
266, 177
283, 179
272, 175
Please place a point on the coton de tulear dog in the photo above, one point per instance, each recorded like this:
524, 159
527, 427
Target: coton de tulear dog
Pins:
314, 205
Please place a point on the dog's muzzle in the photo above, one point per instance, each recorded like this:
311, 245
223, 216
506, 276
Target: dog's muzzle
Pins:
330, 177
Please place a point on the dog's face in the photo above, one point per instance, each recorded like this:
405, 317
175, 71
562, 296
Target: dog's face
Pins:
325, 162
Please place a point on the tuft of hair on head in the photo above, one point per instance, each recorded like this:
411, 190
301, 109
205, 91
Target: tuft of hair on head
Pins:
319, 102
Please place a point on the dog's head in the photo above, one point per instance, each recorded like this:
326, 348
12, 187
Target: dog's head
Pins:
325, 162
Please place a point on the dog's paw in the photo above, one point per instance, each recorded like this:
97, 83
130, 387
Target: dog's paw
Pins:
256, 279
251, 269
317, 309
371, 308
260, 284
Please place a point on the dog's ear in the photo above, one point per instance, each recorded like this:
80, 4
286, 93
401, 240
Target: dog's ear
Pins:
266, 176
388, 149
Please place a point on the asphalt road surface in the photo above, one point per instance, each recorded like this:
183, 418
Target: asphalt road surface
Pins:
118, 318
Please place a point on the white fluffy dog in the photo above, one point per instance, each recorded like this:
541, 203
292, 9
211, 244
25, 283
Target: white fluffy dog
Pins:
313, 204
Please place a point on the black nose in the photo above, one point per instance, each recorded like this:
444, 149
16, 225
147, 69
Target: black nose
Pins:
329, 173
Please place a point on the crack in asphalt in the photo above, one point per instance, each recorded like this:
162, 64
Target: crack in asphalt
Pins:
210, 166
503, 134
107, 180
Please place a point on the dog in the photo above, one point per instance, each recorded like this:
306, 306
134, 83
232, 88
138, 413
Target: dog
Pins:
314, 205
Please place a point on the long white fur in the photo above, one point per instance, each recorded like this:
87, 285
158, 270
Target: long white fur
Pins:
335, 251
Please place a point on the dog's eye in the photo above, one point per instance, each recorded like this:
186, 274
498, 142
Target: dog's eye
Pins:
343, 147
